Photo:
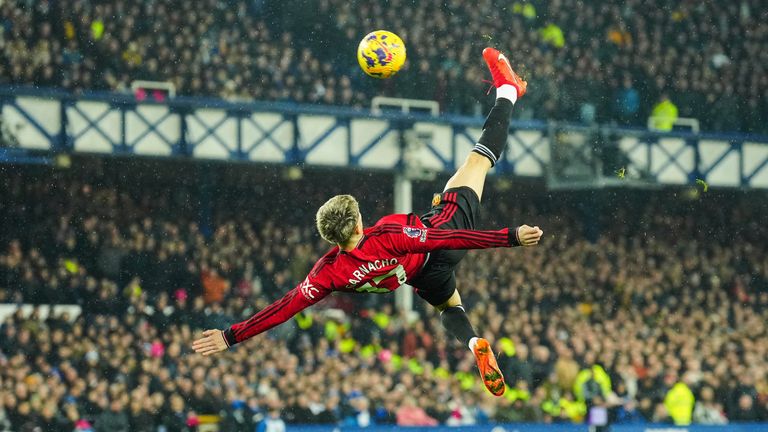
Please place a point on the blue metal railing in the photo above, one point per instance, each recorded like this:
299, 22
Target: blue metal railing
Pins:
284, 132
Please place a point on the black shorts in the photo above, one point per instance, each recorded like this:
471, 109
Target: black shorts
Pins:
456, 208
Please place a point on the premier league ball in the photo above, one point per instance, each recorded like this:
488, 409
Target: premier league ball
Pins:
381, 54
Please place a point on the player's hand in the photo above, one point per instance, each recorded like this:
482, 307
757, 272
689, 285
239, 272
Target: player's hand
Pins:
528, 235
212, 342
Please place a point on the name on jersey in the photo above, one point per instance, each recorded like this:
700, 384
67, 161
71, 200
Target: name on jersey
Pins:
368, 267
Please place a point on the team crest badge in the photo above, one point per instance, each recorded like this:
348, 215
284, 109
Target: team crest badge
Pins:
415, 233
436, 200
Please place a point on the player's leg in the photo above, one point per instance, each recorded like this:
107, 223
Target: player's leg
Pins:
509, 87
456, 322
471, 174
441, 293
455, 319
458, 208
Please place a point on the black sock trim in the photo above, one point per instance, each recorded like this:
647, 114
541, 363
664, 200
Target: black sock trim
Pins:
485, 151
495, 130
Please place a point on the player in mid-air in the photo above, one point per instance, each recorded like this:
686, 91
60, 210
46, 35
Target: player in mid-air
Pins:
421, 251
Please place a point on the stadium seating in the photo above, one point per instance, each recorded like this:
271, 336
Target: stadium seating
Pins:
587, 60
654, 304
649, 305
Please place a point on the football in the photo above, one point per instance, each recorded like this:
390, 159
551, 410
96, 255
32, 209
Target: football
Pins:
381, 54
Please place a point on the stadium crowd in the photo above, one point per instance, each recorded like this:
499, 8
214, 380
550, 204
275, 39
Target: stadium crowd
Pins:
587, 60
661, 318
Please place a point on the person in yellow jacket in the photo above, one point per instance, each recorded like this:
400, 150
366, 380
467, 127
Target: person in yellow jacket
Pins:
526, 9
663, 115
553, 35
572, 408
596, 373
679, 403
304, 320
519, 392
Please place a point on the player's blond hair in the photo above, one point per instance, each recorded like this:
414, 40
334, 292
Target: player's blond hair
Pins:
337, 218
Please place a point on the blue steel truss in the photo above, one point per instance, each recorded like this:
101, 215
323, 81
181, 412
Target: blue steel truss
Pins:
56, 121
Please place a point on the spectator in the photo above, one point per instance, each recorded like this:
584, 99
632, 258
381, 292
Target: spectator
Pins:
329, 412
518, 365
244, 52
113, 419
552, 34
273, 423
701, 317
628, 413
707, 411
410, 414
663, 115
299, 412
240, 417
360, 415
746, 411
679, 403
214, 287
627, 102
176, 419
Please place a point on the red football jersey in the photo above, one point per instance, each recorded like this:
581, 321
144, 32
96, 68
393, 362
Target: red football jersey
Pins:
389, 254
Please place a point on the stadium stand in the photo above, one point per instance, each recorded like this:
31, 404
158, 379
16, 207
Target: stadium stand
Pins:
651, 305
656, 316
301, 50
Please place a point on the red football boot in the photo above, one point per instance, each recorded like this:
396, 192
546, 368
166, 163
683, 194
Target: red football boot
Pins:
502, 72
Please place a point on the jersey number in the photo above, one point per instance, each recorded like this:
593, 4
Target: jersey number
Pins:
372, 286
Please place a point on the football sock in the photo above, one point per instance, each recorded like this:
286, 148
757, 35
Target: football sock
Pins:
507, 91
494, 137
455, 320
472, 343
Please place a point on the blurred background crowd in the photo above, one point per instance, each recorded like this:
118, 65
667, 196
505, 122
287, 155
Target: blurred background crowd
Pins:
649, 305
655, 317
588, 61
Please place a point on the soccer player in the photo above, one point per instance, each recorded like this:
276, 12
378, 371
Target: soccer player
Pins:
405, 248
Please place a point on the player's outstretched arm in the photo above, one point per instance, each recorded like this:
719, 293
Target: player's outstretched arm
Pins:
528, 235
212, 342
407, 239
295, 301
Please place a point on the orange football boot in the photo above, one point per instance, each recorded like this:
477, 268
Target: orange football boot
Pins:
489, 369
